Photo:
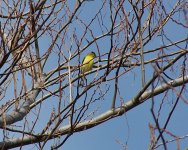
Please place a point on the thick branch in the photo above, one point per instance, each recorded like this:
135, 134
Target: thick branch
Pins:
18, 114
98, 120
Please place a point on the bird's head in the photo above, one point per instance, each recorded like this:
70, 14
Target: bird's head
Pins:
93, 54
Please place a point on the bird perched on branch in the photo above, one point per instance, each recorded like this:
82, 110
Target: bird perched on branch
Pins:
87, 64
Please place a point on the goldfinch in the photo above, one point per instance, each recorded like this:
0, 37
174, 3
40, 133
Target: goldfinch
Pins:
87, 63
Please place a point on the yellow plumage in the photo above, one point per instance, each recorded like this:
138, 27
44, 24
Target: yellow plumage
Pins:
87, 63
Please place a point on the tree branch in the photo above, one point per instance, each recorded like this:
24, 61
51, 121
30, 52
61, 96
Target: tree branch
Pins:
98, 120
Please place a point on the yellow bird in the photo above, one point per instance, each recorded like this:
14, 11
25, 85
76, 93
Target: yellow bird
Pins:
87, 63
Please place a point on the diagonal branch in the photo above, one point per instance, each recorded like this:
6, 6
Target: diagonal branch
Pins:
98, 120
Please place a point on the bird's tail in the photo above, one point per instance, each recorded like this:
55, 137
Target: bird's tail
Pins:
83, 81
